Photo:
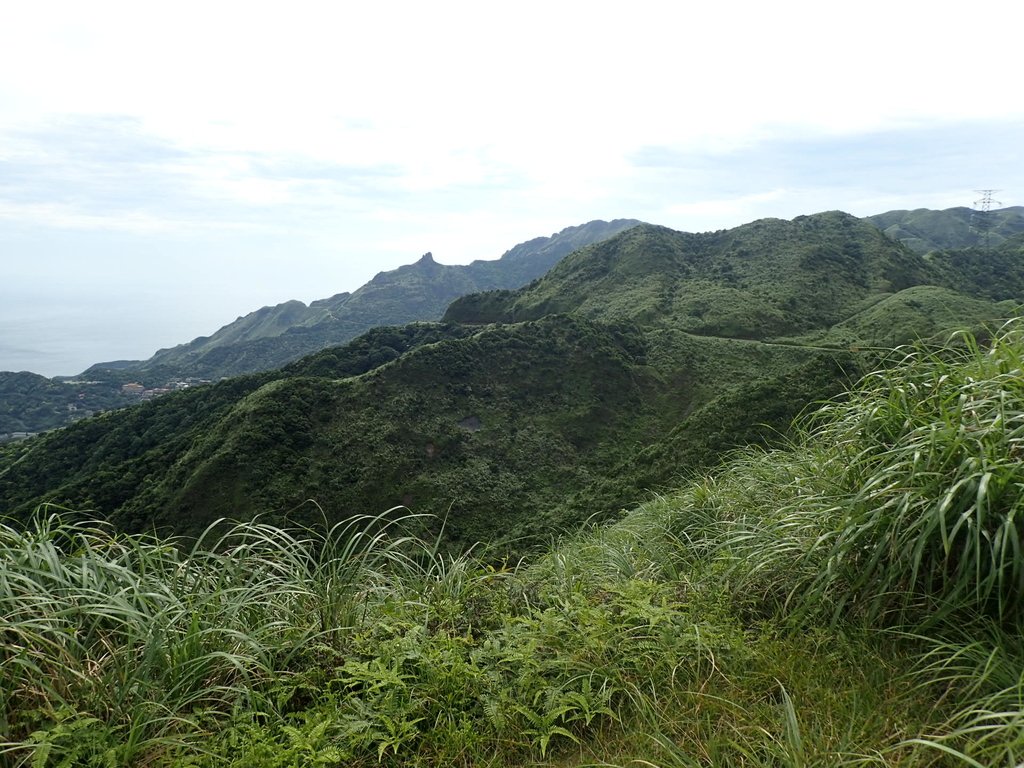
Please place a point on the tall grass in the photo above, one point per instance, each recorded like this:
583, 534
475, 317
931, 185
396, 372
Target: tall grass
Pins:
899, 502
928, 463
852, 599
978, 672
148, 647
897, 507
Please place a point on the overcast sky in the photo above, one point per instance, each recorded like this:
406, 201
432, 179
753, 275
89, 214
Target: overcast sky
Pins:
167, 167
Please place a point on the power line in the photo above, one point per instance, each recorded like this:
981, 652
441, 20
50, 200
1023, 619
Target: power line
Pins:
981, 218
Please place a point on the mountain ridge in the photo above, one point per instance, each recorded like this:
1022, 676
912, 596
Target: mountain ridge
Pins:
925, 230
272, 336
758, 280
602, 390
409, 293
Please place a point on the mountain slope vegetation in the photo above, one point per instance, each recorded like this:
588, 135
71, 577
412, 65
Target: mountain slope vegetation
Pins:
924, 230
851, 599
273, 336
501, 427
995, 273
32, 403
630, 364
767, 279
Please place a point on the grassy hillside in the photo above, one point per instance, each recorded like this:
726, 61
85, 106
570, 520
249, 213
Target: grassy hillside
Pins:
924, 311
851, 600
504, 428
666, 350
995, 273
924, 230
104, 462
264, 323
766, 279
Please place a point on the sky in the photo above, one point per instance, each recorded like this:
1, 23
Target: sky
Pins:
168, 167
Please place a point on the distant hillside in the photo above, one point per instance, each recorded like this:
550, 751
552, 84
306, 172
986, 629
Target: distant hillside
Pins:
925, 230
632, 362
767, 279
32, 403
273, 336
502, 426
993, 273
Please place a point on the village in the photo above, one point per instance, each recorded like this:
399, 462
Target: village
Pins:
95, 397
135, 390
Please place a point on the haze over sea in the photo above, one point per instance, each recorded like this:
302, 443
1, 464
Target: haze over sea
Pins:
64, 341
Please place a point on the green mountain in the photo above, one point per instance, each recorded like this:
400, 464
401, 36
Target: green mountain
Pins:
853, 598
996, 273
632, 362
500, 425
924, 230
272, 336
763, 280
32, 403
